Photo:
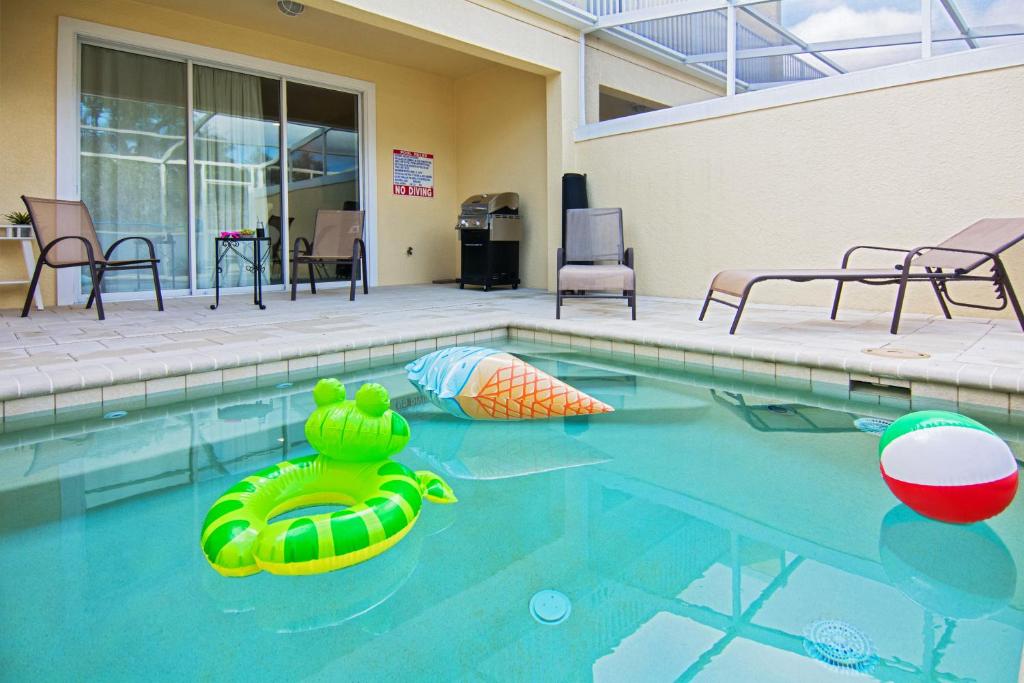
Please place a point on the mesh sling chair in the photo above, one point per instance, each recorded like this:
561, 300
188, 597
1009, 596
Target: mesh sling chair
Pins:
955, 260
67, 239
337, 239
594, 259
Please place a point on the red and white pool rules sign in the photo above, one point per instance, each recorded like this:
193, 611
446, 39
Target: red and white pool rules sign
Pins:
414, 174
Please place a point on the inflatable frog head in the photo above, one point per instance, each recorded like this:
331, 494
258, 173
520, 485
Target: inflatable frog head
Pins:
362, 430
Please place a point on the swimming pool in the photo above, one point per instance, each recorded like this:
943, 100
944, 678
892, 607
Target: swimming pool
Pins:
709, 529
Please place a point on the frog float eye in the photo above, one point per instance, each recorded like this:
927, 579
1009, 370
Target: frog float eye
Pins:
372, 399
328, 391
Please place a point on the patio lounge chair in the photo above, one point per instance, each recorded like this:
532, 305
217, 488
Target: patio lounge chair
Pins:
67, 239
954, 260
337, 239
594, 259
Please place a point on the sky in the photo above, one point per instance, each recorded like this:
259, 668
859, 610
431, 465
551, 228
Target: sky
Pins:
825, 20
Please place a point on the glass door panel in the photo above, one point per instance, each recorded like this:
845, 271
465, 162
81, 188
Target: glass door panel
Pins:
236, 121
132, 113
323, 163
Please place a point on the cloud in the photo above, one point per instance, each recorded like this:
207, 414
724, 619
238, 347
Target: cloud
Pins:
843, 21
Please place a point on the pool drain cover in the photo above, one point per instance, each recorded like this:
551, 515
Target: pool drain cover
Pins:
550, 607
839, 645
115, 414
872, 425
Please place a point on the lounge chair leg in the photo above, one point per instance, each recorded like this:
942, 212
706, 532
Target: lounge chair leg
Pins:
739, 309
736, 318
558, 306
32, 287
898, 308
96, 274
363, 271
92, 294
835, 301
352, 280
1011, 296
294, 275
156, 288
707, 300
632, 303
312, 279
938, 295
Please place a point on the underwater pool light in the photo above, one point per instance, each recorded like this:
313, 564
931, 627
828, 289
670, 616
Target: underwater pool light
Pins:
284, 385
550, 607
115, 414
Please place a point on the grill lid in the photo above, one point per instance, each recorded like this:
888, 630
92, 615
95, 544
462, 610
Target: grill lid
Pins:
494, 203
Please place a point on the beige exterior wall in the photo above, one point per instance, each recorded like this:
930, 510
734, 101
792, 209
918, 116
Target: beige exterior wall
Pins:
501, 147
794, 186
415, 110
610, 66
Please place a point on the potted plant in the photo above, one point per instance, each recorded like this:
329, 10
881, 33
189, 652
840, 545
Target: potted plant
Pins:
19, 218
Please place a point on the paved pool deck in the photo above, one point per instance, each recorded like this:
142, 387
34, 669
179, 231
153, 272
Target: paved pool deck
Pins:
64, 357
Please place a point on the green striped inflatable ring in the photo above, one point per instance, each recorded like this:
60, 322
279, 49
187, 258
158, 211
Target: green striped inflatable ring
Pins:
354, 441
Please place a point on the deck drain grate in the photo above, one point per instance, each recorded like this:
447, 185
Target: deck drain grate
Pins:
840, 645
872, 425
893, 352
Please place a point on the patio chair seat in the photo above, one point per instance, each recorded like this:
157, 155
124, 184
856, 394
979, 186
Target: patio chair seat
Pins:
602, 277
735, 282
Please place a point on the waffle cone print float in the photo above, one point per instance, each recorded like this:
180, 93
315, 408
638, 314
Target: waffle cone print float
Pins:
483, 384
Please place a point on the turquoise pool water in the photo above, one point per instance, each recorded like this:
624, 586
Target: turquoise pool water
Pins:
707, 530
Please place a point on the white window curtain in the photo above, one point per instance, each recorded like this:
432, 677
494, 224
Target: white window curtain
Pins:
234, 149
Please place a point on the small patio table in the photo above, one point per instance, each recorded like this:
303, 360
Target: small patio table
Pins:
255, 265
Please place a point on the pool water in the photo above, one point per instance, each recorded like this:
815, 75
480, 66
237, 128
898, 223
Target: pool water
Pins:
707, 530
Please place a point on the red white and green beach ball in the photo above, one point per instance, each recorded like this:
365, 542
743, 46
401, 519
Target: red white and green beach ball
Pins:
947, 466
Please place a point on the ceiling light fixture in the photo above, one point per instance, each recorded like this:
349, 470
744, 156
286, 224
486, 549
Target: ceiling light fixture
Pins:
289, 8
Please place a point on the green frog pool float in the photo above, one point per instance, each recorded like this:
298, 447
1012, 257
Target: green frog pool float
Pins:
354, 441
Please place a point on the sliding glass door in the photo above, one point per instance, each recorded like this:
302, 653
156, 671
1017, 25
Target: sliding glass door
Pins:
323, 162
236, 120
134, 123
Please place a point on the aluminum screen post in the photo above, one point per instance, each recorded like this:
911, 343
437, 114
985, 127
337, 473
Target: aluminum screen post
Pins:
730, 48
926, 29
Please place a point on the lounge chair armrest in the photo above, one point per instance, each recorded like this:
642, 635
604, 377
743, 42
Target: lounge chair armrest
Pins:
115, 245
628, 258
851, 250
88, 247
300, 249
359, 244
560, 257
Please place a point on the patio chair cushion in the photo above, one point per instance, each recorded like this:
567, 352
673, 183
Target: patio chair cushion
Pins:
599, 277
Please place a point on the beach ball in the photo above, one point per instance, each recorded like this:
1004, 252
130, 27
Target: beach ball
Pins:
947, 466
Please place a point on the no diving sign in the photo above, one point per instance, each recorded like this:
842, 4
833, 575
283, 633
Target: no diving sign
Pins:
414, 174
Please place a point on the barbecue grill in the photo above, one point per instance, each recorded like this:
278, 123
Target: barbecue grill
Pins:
490, 228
